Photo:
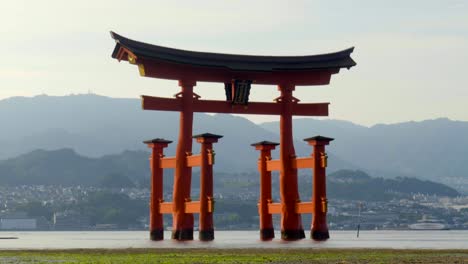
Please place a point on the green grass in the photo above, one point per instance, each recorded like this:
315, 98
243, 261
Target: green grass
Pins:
235, 256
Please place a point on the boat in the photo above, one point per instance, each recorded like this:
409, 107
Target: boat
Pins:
427, 223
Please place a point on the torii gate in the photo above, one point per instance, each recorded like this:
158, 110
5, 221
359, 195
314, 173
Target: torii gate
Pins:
237, 73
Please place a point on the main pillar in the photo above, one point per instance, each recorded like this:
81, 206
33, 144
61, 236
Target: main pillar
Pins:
206, 230
182, 227
267, 231
291, 222
156, 224
319, 228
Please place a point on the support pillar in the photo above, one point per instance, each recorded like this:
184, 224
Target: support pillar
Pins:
319, 228
207, 154
291, 222
156, 224
182, 228
267, 231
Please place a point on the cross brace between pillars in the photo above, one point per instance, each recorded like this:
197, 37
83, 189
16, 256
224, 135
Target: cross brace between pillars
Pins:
192, 161
297, 163
204, 207
192, 207
301, 207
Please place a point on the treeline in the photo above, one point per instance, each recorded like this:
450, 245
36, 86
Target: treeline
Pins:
106, 207
64, 167
102, 207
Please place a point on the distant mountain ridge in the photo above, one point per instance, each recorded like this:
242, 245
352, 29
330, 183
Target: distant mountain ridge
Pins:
431, 149
358, 185
64, 167
95, 125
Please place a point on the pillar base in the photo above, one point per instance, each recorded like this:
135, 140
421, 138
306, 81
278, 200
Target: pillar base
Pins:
319, 235
267, 234
292, 234
182, 234
157, 234
206, 235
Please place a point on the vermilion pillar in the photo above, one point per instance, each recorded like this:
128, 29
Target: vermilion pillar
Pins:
156, 224
319, 229
182, 228
291, 223
267, 231
207, 155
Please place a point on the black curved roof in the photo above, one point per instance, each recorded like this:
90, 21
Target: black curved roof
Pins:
335, 60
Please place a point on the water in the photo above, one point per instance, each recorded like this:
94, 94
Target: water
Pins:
235, 239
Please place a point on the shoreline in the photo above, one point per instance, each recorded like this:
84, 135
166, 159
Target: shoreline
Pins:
393, 240
229, 250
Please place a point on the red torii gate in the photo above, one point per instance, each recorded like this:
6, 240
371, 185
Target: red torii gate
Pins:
237, 73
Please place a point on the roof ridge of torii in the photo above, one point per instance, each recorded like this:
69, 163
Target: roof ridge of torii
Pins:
142, 46
235, 71
177, 64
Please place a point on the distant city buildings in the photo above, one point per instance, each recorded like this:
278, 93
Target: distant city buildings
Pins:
70, 220
17, 221
63, 213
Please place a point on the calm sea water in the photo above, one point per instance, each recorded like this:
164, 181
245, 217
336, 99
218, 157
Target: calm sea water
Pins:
235, 239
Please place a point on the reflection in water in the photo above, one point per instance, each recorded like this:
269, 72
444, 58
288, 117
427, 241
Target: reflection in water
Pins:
236, 239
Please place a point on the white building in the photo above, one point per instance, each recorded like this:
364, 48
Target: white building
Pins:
18, 224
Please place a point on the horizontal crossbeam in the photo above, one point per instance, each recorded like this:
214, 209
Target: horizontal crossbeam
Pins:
192, 207
225, 107
168, 163
303, 163
193, 161
305, 207
301, 208
298, 163
165, 208
273, 165
274, 208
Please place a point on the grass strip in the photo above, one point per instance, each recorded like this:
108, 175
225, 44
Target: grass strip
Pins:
133, 256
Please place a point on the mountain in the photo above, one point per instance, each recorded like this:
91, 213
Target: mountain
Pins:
432, 149
349, 185
68, 168
65, 167
95, 125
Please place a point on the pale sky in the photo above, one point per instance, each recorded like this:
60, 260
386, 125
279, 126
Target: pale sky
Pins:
411, 56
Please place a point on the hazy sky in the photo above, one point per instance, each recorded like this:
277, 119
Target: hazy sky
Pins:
412, 56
